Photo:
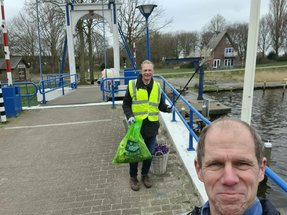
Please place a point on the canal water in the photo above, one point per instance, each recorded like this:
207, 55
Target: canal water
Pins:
269, 117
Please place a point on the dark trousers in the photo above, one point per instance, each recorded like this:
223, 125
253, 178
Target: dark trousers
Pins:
150, 143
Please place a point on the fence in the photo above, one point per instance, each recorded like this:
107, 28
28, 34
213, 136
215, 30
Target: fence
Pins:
56, 82
110, 88
29, 90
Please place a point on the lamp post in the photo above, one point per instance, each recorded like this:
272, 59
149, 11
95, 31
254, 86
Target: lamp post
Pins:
146, 11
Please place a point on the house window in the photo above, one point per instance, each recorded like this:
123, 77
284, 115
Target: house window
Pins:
216, 63
228, 50
228, 62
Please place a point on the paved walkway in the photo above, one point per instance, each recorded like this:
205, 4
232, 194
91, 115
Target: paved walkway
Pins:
57, 160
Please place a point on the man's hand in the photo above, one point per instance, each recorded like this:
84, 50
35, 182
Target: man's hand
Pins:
131, 120
170, 109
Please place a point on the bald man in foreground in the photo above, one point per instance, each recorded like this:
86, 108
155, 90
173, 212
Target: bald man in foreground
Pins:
231, 165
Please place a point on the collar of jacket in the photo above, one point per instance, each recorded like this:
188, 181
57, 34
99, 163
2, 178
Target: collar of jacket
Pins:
255, 208
140, 83
268, 208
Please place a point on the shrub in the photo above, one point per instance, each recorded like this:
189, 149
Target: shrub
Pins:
272, 55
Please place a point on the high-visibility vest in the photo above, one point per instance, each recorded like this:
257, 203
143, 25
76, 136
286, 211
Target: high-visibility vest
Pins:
142, 107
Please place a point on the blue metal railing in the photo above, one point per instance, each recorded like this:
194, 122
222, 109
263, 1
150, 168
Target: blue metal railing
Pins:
51, 83
27, 90
276, 179
192, 112
112, 89
130, 55
55, 82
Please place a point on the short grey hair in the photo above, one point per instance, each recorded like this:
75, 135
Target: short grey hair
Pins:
147, 62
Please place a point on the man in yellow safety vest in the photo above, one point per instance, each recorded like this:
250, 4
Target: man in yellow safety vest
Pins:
143, 101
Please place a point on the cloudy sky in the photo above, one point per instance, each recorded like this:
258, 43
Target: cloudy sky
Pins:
194, 14
187, 15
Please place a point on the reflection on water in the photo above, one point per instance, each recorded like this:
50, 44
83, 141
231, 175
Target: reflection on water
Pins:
269, 117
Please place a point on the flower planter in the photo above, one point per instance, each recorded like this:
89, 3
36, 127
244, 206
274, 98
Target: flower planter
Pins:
159, 160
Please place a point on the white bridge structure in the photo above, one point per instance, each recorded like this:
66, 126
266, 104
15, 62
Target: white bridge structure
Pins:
75, 12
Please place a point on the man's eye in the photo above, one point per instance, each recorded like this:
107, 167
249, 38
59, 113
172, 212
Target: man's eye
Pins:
215, 165
242, 165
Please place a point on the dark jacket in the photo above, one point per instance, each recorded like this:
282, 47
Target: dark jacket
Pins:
268, 209
149, 129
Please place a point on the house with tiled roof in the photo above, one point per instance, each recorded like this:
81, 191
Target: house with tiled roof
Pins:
19, 69
223, 53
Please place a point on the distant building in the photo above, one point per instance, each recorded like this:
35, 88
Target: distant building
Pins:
219, 53
222, 52
19, 69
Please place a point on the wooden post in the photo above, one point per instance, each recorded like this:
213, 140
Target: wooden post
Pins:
205, 108
267, 151
182, 112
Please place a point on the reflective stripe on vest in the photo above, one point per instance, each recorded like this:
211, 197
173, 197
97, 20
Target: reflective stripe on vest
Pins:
142, 107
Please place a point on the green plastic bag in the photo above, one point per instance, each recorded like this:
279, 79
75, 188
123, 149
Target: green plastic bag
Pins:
132, 148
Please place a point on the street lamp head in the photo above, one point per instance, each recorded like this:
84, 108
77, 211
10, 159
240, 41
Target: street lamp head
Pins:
146, 9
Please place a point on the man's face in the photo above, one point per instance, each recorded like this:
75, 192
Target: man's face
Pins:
230, 170
147, 72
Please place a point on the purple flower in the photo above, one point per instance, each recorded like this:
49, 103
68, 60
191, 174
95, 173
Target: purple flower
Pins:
161, 148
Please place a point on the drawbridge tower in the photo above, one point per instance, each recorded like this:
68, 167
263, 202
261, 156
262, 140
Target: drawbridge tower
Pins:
75, 12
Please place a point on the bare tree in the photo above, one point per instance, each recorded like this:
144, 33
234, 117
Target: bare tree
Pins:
98, 43
88, 32
23, 38
217, 24
133, 22
205, 37
81, 48
92, 30
264, 36
238, 33
167, 46
277, 23
188, 42
52, 25
130, 20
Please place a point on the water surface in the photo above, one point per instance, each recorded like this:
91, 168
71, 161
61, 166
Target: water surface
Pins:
269, 117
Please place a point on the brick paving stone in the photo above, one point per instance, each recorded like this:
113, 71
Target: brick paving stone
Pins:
113, 212
61, 165
82, 210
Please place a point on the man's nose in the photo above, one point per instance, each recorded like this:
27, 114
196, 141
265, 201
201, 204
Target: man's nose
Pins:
230, 176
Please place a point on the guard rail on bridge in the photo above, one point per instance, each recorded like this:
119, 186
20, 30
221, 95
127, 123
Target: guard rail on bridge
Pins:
110, 88
29, 90
56, 82
52, 83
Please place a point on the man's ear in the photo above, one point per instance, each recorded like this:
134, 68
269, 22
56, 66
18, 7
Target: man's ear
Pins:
262, 169
198, 169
